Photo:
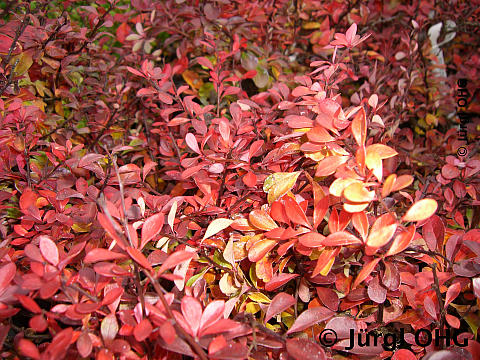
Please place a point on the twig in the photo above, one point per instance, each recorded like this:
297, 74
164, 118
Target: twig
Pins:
436, 287
127, 232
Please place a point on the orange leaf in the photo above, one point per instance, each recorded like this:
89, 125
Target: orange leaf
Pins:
360, 223
329, 165
311, 239
341, 238
402, 182
366, 270
260, 249
261, 220
382, 230
319, 134
324, 260
383, 151
421, 210
401, 241
359, 127
388, 185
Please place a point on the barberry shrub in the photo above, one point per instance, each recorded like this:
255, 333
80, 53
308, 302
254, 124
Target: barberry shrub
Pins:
234, 180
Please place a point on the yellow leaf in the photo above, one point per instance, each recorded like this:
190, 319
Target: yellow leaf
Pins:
327, 268
311, 25
357, 192
259, 298
374, 163
278, 184
338, 185
421, 210
81, 228
192, 79
25, 61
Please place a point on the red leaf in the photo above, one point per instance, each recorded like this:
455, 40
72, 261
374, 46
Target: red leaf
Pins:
430, 307
212, 313
192, 142
295, 212
366, 270
376, 291
7, 273
28, 349
38, 323
176, 258
279, 280
231, 351
139, 258
151, 227
49, 250
342, 325
167, 332
192, 312
29, 304
84, 345
112, 295
142, 330
333, 223
217, 344
221, 325
311, 239
100, 254
401, 241
310, 317
301, 349
59, 345
328, 297
403, 354
280, 302
341, 238
298, 121
360, 223
452, 293
250, 179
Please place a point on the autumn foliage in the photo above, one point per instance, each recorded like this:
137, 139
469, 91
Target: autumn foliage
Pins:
228, 179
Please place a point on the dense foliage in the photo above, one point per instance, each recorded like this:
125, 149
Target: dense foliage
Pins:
231, 179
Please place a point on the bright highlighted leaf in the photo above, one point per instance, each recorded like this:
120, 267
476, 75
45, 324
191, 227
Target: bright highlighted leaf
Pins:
261, 220
359, 127
216, 226
357, 192
49, 250
260, 249
401, 241
382, 230
421, 210
278, 184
